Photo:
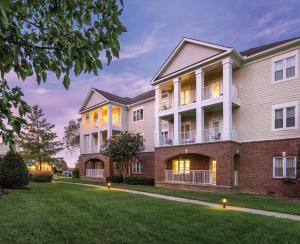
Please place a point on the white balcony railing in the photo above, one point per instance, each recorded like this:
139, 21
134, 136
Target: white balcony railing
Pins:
96, 173
166, 140
188, 97
165, 105
213, 134
200, 177
188, 137
216, 134
213, 91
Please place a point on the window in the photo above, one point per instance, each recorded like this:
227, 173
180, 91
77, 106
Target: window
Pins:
181, 166
138, 114
284, 167
285, 67
285, 116
137, 167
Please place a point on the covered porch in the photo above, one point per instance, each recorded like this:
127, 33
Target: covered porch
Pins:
191, 169
94, 168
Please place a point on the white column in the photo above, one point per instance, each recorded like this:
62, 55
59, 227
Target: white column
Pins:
99, 117
177, 116
90, 132
100, 140
227, 98
156, 116
177, 92
199, 109
177, 128
81, 143
109, 121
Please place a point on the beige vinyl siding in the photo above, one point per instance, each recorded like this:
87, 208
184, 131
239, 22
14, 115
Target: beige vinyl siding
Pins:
93, 100
145, 126
189, 54
253, 120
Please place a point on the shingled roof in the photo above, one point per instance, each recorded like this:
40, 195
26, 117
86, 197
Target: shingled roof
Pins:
255, 50
126, 100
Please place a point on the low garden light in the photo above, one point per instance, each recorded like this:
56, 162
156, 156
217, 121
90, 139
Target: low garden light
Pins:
108, 185
224, 202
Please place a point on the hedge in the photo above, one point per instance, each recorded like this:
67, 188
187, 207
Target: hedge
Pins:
114, 179
13, 171
40, 176
75, 172
135, 180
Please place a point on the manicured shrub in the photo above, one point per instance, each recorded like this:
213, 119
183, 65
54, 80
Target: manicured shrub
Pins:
135, 180
40, 176
13, 171
75, 172
114, 179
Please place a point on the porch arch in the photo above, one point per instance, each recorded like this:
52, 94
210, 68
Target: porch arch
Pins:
191, 168
94, 168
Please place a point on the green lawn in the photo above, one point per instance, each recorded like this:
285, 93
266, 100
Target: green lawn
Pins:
240, 200
61, 213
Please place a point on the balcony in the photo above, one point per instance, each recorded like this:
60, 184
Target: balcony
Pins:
166, 140
213, 91
187, 97
188, 137
216, 134
197, 177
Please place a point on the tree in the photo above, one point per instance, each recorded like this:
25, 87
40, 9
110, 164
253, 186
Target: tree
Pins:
72, 136
42, 36
59, 163
13, 171
37, 138
123, 148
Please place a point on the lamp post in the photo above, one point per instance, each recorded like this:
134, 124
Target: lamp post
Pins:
224, 202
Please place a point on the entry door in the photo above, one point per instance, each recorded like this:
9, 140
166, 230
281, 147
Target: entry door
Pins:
216, 130
186, 130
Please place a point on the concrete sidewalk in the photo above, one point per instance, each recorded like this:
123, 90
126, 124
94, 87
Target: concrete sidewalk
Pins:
196, 202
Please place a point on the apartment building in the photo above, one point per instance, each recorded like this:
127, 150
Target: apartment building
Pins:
217, 119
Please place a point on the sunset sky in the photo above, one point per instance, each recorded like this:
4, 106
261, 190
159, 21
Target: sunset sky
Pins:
154, 29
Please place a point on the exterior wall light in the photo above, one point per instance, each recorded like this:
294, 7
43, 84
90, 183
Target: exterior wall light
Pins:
108, 185
224, 202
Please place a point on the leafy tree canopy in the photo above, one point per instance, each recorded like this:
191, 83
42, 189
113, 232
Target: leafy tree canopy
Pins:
41, 36
122, 148
72, 135
37, 138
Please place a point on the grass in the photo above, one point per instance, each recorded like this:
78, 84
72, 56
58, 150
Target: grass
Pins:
240, 200
61, 213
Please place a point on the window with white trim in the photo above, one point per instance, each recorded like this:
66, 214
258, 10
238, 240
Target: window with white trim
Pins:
137, 167
284, 167
285, 116
285, 67
138, 114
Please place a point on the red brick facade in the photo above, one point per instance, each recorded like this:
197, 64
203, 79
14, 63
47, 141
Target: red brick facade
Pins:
252, 160
256, 166
85, 161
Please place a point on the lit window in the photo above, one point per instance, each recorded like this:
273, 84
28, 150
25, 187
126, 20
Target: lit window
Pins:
284, 167
285, 116
137, 167
285, 67
138, 114
181, 166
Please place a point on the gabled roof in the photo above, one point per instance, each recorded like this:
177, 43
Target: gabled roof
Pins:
262, 48
122, 100
178, 48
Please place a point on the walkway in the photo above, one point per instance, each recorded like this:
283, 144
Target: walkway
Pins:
196, 202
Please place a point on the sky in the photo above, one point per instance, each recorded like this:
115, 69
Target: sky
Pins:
154, 28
